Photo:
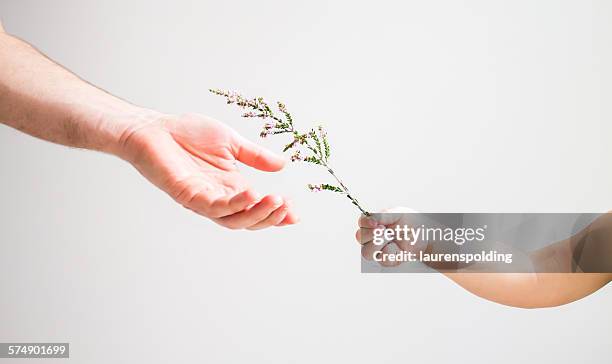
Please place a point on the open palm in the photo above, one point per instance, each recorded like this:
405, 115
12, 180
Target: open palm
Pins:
193, 159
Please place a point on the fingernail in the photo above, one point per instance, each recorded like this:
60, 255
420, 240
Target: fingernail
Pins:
277, 201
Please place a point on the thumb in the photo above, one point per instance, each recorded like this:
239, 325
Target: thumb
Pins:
256, 156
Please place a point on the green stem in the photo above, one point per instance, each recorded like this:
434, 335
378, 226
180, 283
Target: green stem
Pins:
346, 190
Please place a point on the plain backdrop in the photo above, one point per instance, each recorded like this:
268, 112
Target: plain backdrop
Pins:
436, 105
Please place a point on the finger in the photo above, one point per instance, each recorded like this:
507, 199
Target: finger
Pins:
390, 248
367, 221
369, 249
236, 204
255, 214
291, 218
256, 156
274, 218
364, 235
223, 206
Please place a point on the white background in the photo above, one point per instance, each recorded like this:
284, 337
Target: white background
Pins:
437, 105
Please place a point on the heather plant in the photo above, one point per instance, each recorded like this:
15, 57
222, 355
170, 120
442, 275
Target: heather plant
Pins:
309, 147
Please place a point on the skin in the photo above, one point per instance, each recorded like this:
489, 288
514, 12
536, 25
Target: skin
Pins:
524, 290
193, 158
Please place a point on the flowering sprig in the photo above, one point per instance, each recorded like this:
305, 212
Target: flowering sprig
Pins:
311, 147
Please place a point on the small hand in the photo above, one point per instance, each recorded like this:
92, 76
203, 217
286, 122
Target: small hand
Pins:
389, 218
193, 159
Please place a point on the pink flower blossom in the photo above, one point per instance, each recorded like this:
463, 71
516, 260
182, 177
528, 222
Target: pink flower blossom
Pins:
315, 188
233, 96
296, 157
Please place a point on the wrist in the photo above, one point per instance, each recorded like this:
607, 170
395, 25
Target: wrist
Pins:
114, 124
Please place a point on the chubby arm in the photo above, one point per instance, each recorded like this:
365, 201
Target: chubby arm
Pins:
531, 290
192, 157
590, 250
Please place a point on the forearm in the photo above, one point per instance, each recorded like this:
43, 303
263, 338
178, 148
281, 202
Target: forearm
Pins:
531, 290
42, 99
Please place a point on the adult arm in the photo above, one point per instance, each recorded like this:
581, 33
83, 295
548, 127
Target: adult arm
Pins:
191, 157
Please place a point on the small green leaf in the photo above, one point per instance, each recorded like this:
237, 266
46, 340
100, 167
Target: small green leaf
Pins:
314, 137
332, 188
323, 136
312, 159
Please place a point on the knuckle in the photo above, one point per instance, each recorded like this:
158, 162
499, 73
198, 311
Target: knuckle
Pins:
185, 191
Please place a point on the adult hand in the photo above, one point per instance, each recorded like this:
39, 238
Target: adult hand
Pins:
193, 159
